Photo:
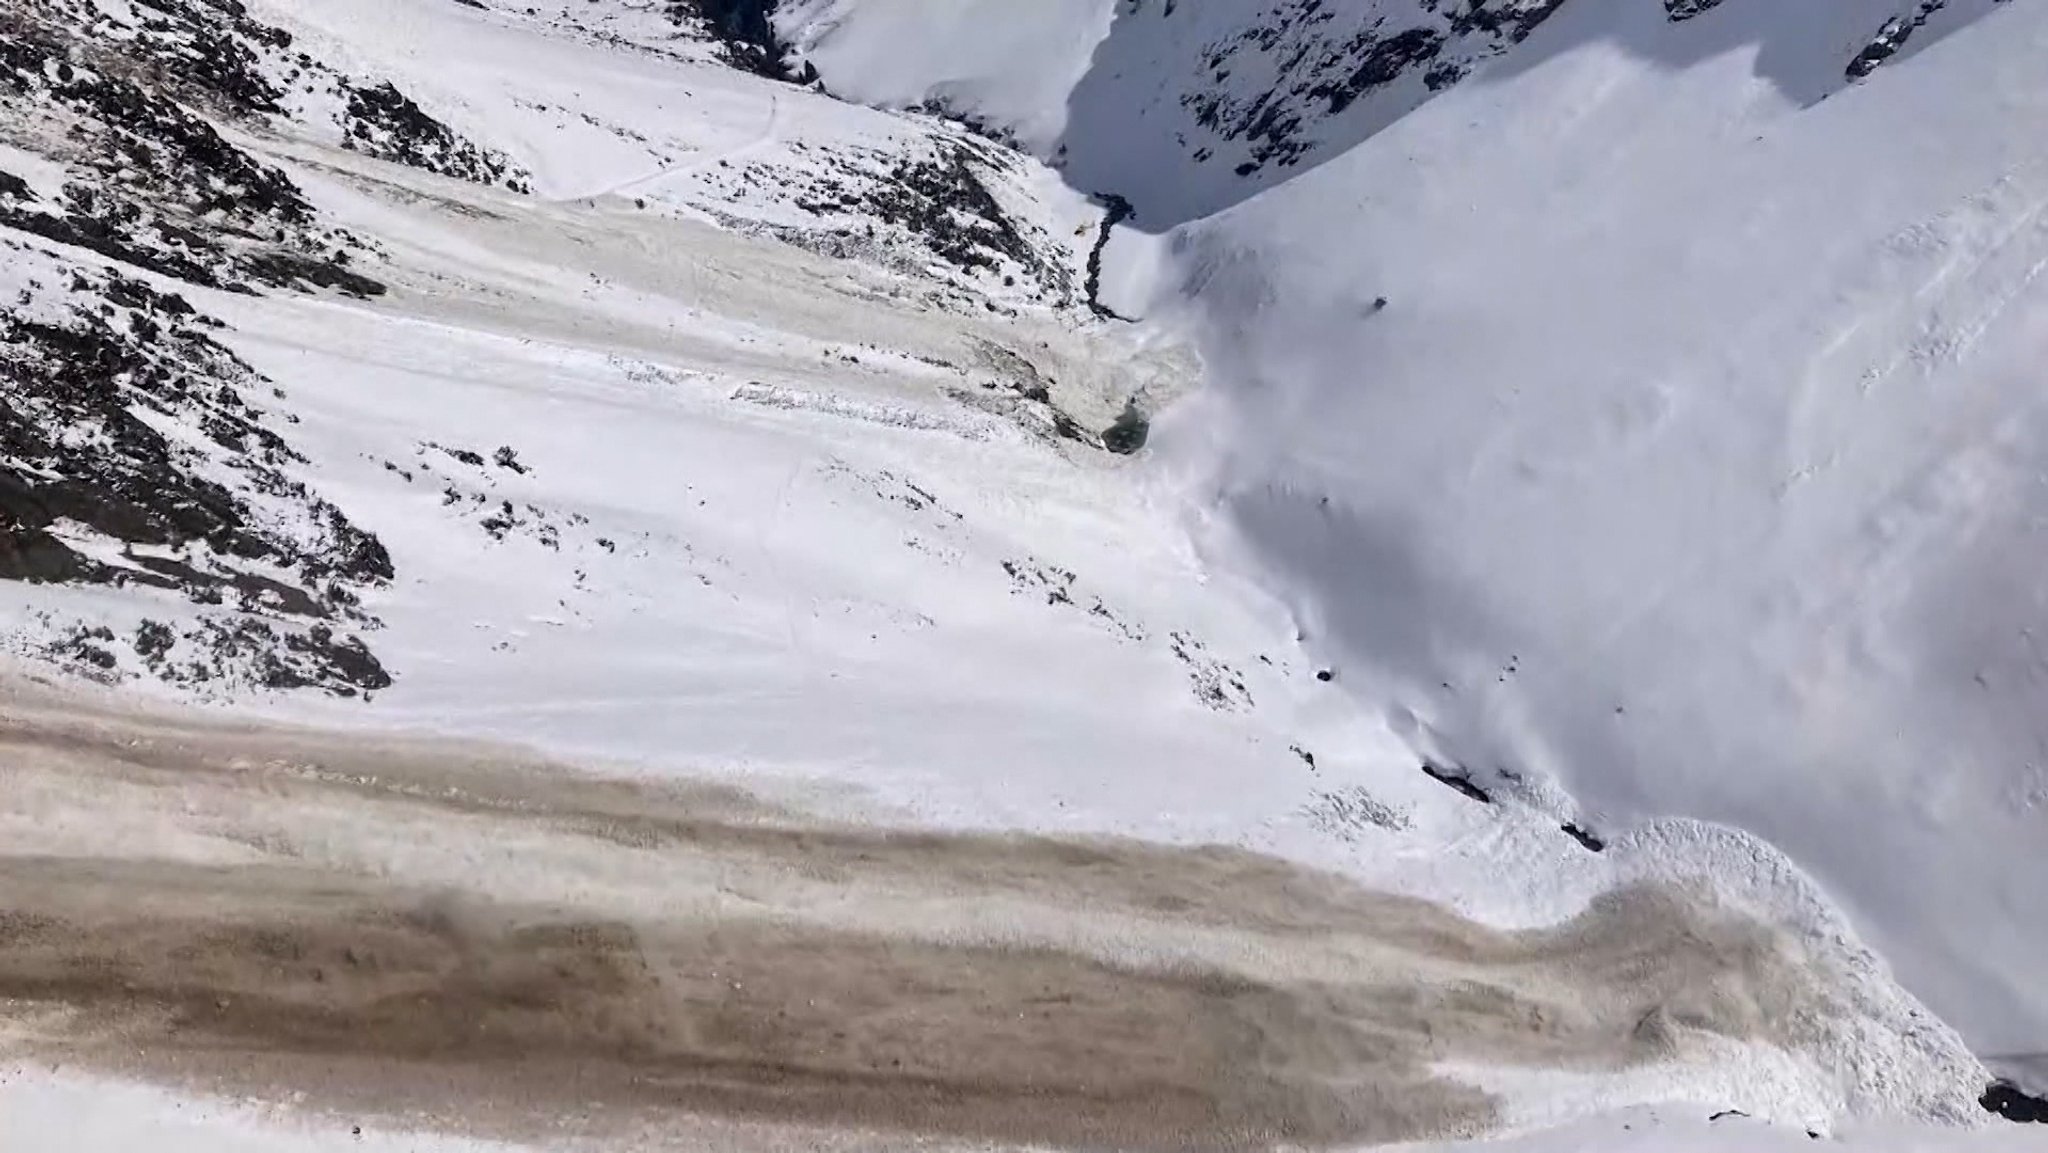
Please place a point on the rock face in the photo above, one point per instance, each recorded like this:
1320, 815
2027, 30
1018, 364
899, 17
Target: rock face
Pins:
1893, 34
1186, 109
138, 452
1324, 59
1687, 9
151, 182
385, 123
1181, 108
920, 205
142, 454
137, 455
745, 29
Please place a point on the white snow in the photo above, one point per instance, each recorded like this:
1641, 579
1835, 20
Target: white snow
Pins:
1695, 464
1017, 64
1691, 471
1692, 468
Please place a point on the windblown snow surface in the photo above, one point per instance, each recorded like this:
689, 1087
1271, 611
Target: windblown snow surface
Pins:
617, 622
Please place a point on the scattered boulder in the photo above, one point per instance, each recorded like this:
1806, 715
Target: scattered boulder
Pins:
2014, 1104
1129, 433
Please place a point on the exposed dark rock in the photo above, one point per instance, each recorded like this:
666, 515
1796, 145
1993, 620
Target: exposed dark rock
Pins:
1678, 10
2012, 1103
282, 658
1384, 62
1129, 433
127, 480
1456, 779
1033, 579
1327, 65
1882, 47
152, 183
90, 371
1586, 838
32, 554
1118, 211
747, 33
932, 206
1892, 36
153, 640
1216, 684
943, 199
97, 365
86, 649
383, 122
205, 53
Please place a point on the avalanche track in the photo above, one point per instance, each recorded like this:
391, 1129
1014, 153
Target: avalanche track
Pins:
465, 937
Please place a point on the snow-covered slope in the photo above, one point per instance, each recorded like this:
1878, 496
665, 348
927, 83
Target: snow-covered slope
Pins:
1635, 405
1694, 465
135, 430
1185, 108
528, 372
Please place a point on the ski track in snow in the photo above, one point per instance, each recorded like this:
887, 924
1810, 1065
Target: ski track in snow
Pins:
768, 136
